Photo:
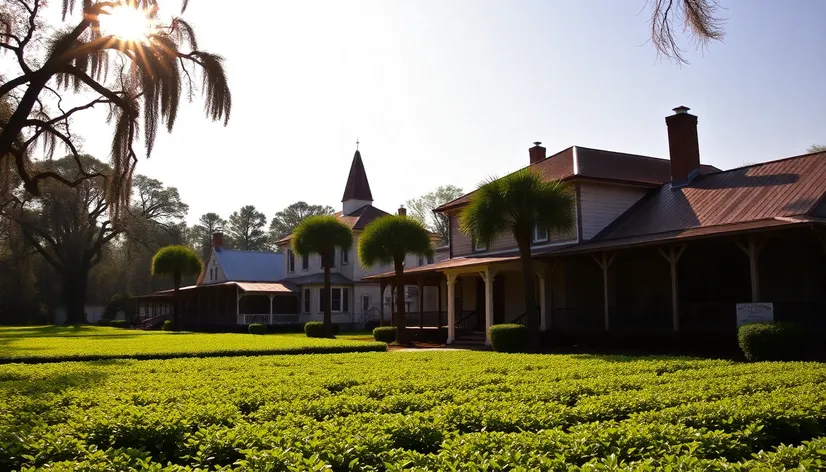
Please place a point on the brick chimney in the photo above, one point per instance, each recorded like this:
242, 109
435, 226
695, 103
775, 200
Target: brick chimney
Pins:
537, 152
683, 147
218, 240
402, 210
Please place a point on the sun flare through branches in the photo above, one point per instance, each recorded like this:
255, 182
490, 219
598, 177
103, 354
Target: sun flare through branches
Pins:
128, 22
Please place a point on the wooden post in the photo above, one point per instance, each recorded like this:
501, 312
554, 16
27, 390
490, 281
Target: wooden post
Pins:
421, 302
271, 297
605, 261
673, 257
451, 308
487, 277
752, 248
439, 303
382, 287
392, 304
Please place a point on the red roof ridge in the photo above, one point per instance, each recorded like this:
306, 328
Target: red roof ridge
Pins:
758, 164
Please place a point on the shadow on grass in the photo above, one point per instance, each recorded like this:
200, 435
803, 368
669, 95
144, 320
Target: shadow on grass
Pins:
37, 384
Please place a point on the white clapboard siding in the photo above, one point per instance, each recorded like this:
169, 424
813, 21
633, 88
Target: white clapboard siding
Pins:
603, 203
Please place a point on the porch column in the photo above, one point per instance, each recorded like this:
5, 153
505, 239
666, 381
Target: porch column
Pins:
439, 304
237, 305
271, 297
605, 261
392, 304
487, 276
752, 248
421, 302
451, 308
673, 257
382, 287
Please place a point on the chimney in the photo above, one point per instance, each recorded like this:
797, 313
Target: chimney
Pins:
537, 152
683, 147
402, 210
217, 240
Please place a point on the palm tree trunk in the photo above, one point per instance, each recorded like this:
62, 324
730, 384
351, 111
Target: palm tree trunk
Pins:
328, 315
176, 307
401, 334
531, 319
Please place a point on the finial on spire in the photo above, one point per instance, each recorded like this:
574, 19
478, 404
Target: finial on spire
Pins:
357, 144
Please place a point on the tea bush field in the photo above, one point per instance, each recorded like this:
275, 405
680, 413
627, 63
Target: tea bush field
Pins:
59, 343
438, 410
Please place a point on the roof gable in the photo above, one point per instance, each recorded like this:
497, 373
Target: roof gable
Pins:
777, 189
358, 187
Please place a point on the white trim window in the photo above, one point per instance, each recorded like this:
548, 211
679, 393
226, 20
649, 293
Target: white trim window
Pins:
290, 261
540, 234
479, 246
305, 262
306, 300
345, 257
336, 301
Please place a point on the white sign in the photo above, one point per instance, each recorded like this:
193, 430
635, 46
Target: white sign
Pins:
754, 313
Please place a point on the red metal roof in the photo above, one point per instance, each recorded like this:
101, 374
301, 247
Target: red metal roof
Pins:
762, 192
581, 163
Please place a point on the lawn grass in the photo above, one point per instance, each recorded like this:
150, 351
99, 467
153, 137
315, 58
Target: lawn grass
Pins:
445, 410
60, 343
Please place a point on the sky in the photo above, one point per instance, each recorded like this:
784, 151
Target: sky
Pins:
454, 91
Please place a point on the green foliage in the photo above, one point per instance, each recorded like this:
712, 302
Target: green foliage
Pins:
285, 221
509, 338
422, 209
771, 341
385, 334
59, 343
388, 239
119, 323
424, 411
168, 325
321, 234
515, 204
246, 228
257, 328
118, 302
176, 261
315, 329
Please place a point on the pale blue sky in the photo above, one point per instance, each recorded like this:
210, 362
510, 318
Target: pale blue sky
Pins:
450, 92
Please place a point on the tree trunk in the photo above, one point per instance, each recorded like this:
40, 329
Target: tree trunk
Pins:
74, 295
531, 318
401, 332
328, 306
176, 307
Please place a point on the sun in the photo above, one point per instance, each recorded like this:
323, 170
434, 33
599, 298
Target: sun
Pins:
127, 23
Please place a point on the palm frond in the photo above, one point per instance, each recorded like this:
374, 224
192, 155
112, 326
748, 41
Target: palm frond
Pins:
321, 234
388, 239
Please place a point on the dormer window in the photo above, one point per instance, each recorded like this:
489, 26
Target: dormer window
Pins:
540, 234
345, 257
305, 262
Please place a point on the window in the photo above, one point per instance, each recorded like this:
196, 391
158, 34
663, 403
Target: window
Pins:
333, 260
421, 260
346, 295
365, 303
345, 257
290, 261
305, 262
335, 299
430, 259
306, 300
540, 234
479, 246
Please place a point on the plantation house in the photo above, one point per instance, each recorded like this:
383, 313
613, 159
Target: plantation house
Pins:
661, 250
237, 288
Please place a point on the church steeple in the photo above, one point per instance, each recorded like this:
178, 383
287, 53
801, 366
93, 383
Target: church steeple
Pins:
357, 191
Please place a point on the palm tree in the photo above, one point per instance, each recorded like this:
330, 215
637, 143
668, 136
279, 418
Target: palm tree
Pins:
516, 204
176, 261
321, 234
387, 240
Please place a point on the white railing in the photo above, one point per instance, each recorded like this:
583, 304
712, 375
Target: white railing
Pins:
246, 319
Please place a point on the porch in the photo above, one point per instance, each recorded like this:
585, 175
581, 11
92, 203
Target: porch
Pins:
677, 289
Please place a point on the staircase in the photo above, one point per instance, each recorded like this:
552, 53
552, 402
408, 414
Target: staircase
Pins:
470, 340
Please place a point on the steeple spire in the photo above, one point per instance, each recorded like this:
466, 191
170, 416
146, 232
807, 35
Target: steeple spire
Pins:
357, 191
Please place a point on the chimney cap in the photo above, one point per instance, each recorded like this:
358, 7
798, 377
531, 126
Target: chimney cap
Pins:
681, 110
537, 143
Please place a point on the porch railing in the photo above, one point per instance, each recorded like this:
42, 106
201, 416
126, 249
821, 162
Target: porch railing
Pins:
468, 321
523, 318
246, 319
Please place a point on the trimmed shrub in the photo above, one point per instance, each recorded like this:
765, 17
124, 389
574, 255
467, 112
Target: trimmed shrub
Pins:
118, 324
257, 328
385, 334
509, 338
102, 322
771, 341
315, 329
168, 325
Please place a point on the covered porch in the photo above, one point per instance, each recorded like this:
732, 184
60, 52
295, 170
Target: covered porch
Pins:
267, 303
